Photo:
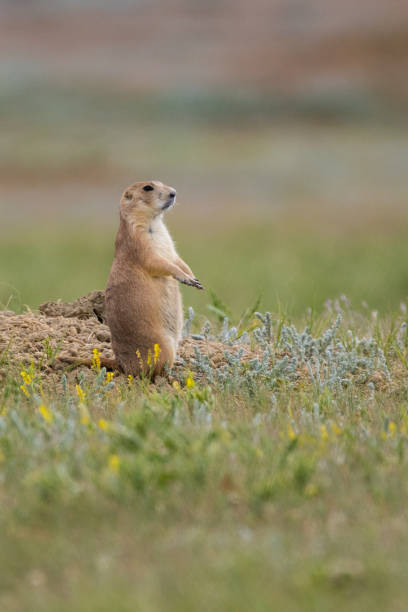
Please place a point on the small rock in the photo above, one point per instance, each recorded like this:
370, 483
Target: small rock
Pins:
103, 336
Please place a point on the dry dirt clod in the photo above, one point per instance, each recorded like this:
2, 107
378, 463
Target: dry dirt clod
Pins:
91, 305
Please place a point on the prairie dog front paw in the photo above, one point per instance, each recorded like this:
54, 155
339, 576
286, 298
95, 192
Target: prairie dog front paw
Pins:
191, 282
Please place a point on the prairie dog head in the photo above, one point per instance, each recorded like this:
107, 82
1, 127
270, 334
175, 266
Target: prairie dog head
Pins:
144, 201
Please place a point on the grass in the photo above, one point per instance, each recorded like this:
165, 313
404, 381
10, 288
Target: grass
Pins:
281, 496
287, 267
124, 496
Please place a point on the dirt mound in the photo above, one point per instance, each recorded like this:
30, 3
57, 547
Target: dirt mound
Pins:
40, 338
83, 308
74, 329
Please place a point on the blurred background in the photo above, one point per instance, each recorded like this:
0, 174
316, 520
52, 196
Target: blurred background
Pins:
282, 124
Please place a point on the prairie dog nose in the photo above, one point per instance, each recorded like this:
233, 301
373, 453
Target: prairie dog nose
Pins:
172, 193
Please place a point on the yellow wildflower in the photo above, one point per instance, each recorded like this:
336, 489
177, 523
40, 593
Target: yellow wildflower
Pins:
190, 381
335, 429
157, 351
130, 378
311, 490
149, 358
109, 377
27, 382
291, 433
85, 420
176, 385
139, 356
96, 360
24, 390
323, 432
80, 393
45, 413
103, 424
26, 378
392, 429
114, 463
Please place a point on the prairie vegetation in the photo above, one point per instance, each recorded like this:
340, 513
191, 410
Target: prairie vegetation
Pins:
276, 477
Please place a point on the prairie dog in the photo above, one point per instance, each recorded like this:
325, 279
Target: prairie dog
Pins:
143, 300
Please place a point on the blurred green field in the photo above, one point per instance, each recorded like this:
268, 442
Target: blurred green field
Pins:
292, 269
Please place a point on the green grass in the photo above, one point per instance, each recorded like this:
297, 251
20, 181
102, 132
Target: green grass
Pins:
128, 499
290, 269
203, 498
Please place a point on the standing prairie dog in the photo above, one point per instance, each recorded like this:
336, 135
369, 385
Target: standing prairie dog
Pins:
143, 301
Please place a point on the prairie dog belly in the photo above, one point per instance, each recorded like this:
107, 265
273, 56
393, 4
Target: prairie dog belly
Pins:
161, 240
171, 310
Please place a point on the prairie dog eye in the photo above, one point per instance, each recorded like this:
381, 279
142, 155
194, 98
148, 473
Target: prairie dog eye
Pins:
148, 188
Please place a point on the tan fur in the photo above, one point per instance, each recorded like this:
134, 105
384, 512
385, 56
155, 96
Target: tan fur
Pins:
143, 301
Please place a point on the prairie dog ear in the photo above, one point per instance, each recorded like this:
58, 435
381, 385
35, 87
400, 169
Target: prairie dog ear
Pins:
128, 195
